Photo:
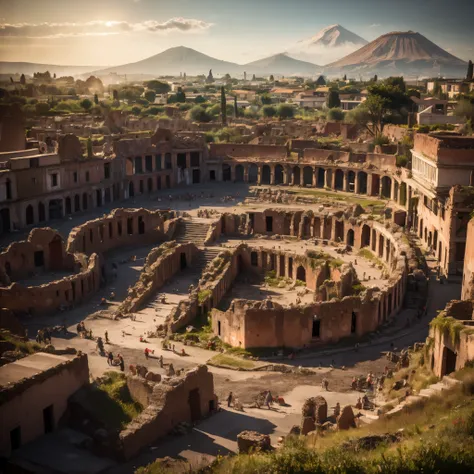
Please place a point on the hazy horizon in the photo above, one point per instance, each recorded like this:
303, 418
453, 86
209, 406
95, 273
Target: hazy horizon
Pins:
115, 32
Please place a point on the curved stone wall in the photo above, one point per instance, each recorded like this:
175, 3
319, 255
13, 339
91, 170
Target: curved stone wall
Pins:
331, 320
122, 227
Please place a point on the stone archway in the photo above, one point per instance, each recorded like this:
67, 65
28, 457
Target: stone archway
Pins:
386, 187
29, 215
351, 178
56, 253
265, 174
307, 176
362, 183
296, 175
339, 180
5, 220
253, 173
279, 174
350, 238
131, 189
301, 273
226, 172
365, 236
239, 173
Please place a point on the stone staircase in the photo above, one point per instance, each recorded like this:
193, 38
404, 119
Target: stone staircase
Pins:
191, 231
446, 383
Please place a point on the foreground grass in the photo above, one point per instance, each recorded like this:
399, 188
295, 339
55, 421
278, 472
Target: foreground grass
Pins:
25, 347
230, 361
437, 437
112, 403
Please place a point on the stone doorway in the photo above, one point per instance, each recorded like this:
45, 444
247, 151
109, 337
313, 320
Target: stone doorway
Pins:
196, 176
316, 329
195, 404
449, 362
56, 254
182, 261
4, 220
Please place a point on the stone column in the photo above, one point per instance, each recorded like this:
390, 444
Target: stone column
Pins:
392, 191
369, 184
272, 174
327, 178
356, 183
232, 173
333, 229
259, 175
246, 173
333, 179
345, 185
315, 177
286, 175
188, 160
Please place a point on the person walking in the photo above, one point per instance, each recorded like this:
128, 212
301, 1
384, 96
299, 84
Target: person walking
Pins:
110, 358
229, 399
121, 363
268, 399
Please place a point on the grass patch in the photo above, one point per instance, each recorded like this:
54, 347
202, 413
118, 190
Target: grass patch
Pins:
111, 401
203, 295
448, 324
271, 279
25, 347
368, 255
343, 197
234, 362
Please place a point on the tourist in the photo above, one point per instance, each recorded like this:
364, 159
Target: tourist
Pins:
161, 361
106, 337
325, 384
147, 352
268, 399
229, 399
110, 358
337, 410
100, 345
121, 363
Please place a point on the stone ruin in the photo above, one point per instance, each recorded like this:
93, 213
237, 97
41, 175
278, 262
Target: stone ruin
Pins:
314, 412
252, 441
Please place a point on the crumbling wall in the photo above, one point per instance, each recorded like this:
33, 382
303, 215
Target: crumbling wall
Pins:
161, 264
122, 227
21, 259
180, 399
468, 271
22, 402
56, 295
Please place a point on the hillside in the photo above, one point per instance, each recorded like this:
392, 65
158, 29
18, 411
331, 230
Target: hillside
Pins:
403, 53
282, 64
176, 60
30, 68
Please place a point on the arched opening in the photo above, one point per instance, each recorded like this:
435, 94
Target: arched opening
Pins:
365, 236
320, 179
4, 220
108, 195
339, 231
421, 229
435, 240
158, 183
362, 183
282, 266
339, 180
254, 259
56, 253
142, 186
296, 175
141, 225
448, 364
265, 174
253, 173
239, 173
196, 176
279, 174
350, 237
131, 189
351, 177
41, 212
316, 329
395, 190
77, 203
168, 181
98, 197
84, 202
138, 165
307, 176
150, 185
68, 205
301, 273
403, 194
381, 242
290, 267
386, 187
353, 322
374, 240
30, 217
226, 172
55, 209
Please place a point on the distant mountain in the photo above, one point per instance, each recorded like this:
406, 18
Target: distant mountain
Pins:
399, 53
281, 64
30, 68
334, 36
176, 60
332, 42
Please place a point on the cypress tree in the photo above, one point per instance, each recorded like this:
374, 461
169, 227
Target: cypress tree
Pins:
470, 71
236, 109
223, 107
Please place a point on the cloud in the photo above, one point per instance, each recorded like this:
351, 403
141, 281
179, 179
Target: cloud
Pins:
100, 28
374, 25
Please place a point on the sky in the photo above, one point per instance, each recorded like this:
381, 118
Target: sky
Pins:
114, 32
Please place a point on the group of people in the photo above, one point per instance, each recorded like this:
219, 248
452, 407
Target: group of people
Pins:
43, 336
111, 360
